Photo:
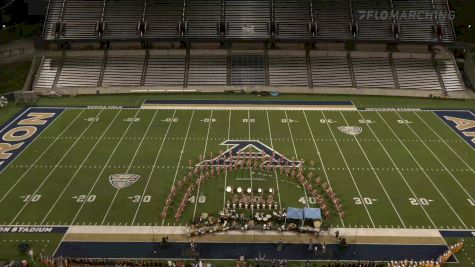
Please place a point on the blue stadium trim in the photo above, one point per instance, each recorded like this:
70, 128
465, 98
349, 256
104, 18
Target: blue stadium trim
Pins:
249, 102
32, 229
461, 114
452, 233
149, 250
14, 123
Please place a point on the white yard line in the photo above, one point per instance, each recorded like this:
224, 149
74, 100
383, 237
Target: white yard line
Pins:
41, 155
250, 167
399, 171
79, 168
348, 168
319, 156
181, 153
153, 169
296, 155
104, 168
130, 165
423, 171
52, 171
275, 171
376, 174
59, 244
226, 169
451, 149
204, 156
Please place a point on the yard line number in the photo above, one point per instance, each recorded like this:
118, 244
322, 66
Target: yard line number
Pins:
201, 199
31, 198
327, 121
311, 200
364, 200
85, 198
423, 201
139, 198
169, 120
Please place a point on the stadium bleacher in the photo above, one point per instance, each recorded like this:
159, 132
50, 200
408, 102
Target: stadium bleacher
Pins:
266, 24
337, 20
381, 70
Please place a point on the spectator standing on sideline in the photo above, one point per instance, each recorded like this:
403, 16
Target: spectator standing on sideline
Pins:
310, 245
279, 245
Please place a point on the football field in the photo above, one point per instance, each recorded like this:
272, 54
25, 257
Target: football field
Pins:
389, 168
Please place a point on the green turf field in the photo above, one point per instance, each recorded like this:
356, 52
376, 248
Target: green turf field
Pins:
404, 170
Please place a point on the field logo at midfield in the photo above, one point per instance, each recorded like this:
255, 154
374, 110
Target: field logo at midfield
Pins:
351, 130
245, 149
462, 122
22, 130
123, 180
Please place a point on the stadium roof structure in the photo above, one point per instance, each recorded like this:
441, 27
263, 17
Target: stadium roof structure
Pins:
387, 21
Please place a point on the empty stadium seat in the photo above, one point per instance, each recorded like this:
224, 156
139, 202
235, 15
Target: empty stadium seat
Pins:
123, 71
203, 18
288, 69
208, 69
165, 70
53, 17
247, 69
373, 26
330, 70
47, 73
416, 73
80, 19
122, 19
163, 18
449, 74
247, 19
372, 71
80, 72
292, 18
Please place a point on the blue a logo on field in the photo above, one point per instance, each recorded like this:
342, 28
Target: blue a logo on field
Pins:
462, 122
22, 130
245, 149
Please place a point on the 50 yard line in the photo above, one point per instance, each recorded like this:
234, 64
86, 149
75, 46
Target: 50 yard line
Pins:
275, 171
226, 169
